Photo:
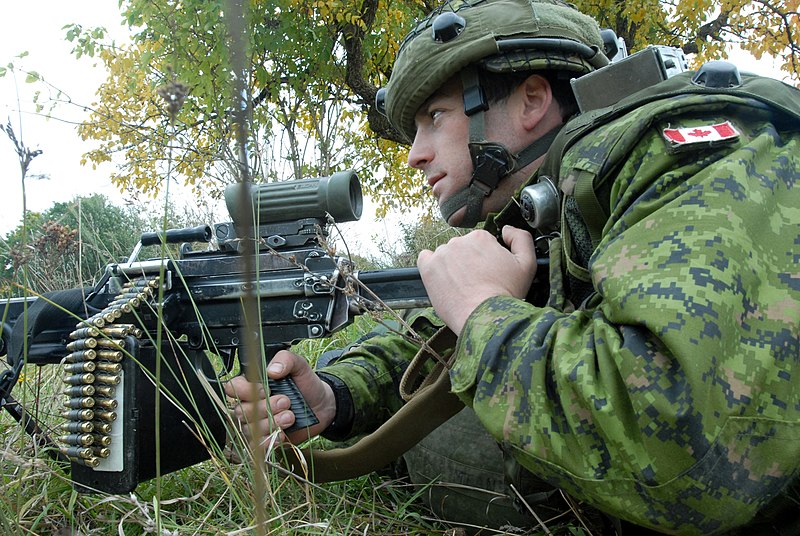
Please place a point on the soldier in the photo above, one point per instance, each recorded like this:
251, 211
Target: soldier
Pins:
652, 372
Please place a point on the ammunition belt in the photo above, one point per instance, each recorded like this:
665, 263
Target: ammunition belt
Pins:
93, 370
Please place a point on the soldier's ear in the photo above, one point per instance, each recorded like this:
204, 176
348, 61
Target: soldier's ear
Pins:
536, 100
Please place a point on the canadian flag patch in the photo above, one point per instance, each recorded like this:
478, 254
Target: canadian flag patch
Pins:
704, 135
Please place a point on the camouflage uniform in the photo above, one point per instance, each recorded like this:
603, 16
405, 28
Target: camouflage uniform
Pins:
666, 395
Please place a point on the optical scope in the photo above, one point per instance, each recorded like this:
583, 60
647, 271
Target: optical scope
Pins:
338, 195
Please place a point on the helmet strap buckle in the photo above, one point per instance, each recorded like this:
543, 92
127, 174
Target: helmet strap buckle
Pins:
473, 94
491, 162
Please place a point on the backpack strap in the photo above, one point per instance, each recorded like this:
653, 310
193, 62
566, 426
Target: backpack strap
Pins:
585, 181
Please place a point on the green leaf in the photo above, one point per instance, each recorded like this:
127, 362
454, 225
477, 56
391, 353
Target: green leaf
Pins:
32, 76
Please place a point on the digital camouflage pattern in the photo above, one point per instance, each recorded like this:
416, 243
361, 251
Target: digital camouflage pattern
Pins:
372, 370
670, 397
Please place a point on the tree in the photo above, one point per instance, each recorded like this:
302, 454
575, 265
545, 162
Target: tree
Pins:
707, 28
69, 244
304, 112
315, 67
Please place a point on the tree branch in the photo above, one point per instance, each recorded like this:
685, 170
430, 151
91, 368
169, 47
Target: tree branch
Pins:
712, 29
353, 37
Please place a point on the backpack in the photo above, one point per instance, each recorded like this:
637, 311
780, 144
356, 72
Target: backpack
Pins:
585, 207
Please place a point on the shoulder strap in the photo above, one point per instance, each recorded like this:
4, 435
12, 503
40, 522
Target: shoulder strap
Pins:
779, 96
630, 117
431, 405
672, 96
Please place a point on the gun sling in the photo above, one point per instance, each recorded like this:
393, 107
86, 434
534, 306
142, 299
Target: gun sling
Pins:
430, 406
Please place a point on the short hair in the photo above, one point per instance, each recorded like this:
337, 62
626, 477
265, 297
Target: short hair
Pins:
499, 86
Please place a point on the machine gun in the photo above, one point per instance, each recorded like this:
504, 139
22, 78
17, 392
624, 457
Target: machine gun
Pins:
154, 326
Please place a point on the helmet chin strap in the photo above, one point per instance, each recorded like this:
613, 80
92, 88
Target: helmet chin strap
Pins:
491, 161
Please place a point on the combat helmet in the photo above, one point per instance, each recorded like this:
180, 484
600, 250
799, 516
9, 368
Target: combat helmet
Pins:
461, 36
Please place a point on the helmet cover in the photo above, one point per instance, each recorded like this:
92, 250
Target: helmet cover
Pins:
424, 63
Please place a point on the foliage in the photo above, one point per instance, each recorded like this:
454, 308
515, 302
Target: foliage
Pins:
70, 243
315, 66
304, 113
707, 28
427, 232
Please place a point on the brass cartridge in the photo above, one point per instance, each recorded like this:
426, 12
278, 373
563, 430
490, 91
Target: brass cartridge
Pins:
75, 368
105, 403
85, 332
105, 390
114, 344
81, 344
112, 368
105, 415
108, 379
110, 355
77, 427
101, 452
117, 332
79, 379
79, 403
79, 390
78, 440
82, 355
81, 453
102, 440
101, 427
78, 414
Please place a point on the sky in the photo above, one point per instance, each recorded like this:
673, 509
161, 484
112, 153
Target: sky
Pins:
35, 27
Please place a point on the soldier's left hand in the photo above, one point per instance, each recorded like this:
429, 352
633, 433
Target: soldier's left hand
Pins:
469, 269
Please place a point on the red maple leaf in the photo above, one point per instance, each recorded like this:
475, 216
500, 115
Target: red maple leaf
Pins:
699, 133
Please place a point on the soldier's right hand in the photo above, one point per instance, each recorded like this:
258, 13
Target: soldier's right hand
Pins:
259, 418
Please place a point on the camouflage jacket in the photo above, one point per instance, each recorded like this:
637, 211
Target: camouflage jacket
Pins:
668, 396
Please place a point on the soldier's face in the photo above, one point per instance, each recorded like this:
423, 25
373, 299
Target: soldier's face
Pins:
440, 148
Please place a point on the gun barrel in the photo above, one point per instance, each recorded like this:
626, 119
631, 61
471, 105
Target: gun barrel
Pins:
201, 233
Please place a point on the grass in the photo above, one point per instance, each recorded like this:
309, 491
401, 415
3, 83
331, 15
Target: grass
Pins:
38, 499
213, 497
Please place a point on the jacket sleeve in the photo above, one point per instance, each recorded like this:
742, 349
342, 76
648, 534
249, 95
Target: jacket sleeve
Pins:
371, 371
667, 399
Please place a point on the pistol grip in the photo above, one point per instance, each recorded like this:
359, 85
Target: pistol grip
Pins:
303, 416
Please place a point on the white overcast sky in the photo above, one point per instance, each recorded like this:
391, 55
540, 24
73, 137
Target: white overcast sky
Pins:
35, 26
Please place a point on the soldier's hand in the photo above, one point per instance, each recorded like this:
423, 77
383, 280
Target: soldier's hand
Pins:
469, 269
259, 418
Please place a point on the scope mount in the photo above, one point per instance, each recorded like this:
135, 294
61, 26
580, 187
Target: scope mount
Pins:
278, 235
